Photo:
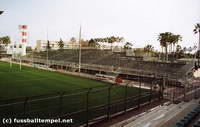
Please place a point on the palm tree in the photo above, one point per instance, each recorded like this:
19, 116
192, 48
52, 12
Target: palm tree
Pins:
197, 30
128, 45
113, 39
61, 44
174, 39
148, 48
5, 40
92, 43
48, 47
164, 39
121, 39
178, 50
184, 50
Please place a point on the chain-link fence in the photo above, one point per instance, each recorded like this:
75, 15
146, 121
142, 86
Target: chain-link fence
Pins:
83, 106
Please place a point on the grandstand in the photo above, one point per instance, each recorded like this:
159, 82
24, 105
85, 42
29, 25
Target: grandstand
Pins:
119, 62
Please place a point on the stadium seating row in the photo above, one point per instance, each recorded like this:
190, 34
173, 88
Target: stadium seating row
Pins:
184, 121
197, 124
109, 58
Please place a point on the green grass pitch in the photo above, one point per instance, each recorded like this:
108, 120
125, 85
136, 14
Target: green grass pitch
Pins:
30, 81
16, 83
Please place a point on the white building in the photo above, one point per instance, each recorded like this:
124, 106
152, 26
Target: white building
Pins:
72, 45
115, 46
16, 49
41, 45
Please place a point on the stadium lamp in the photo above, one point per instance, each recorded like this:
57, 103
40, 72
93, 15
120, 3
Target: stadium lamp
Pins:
1, 12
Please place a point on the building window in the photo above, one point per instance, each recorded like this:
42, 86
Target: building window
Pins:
20, 46
15, 46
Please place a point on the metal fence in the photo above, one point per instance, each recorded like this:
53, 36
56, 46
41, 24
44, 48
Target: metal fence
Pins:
186, 91
83, 105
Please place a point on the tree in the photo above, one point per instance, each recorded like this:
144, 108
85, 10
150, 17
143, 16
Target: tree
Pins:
110, 40
92, 43
29, 49
73, 40
174, 39
178, 48
148, 48
121, 39
5, 40
164, 39
197, 30
128, 45
184, 50
61, 44
179, 51
48, 45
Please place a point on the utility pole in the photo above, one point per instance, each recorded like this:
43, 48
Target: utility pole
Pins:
79, 68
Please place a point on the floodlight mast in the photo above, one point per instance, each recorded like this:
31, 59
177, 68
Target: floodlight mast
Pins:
79, 68
47, 48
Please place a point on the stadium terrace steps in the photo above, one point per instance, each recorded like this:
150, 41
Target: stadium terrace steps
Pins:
187, 119
165, 116
197, 123
116, 60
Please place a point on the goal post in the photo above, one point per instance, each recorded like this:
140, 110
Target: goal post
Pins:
19, 61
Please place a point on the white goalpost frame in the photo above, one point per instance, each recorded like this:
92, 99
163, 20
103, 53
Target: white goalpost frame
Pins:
11, 57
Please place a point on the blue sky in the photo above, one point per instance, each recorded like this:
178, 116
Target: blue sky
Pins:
138, 21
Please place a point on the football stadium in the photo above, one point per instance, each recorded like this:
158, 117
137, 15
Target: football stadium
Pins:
34, 87
121, 67
99, 86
